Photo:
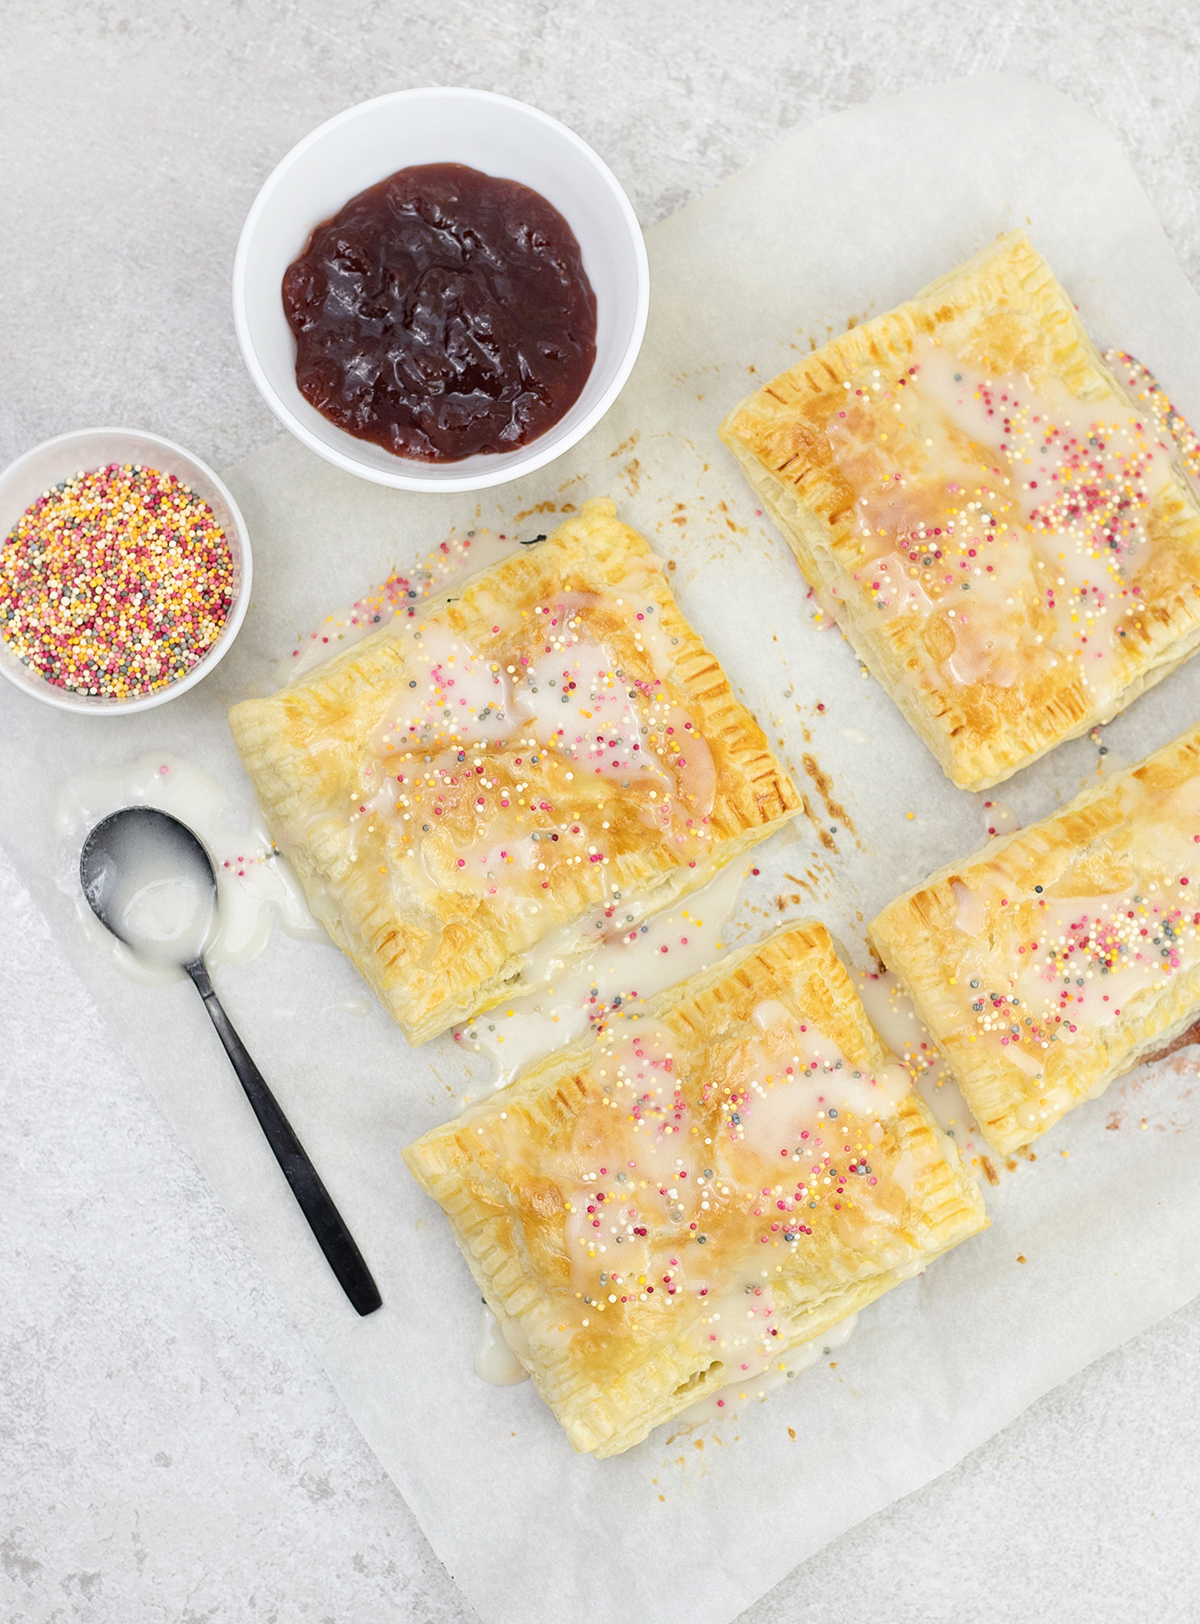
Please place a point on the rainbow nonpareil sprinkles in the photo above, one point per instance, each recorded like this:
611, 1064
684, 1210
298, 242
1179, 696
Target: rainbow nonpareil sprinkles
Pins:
115, 582
1144, 386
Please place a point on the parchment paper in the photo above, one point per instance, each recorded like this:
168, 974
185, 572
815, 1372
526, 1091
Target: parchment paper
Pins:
838, 221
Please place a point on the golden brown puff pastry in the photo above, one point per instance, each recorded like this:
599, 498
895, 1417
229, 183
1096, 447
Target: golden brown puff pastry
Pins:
1001, 531
469, 796
1058, 957
676, 1205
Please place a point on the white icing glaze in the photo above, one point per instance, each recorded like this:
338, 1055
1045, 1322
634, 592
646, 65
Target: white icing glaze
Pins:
457, 692
759, 1371
892, 1014
1021, 499
406, 595
999, 818
797, 1078
166, 916
580, 708
1074, 482
254, 883
1148, 392
495, 1362
1114, 762
585, 971
458, 729
656, 1184
897, 588
971, 914
1087, 958
742, 1325
1115, 943
637, 1056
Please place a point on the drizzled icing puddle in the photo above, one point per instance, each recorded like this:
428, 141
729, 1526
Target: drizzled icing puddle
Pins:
764, 1374
631, 961
999, 819
495, 1362
405, 594
891, 1012
254, 884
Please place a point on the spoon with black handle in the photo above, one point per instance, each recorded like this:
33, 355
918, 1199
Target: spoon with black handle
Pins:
148, 880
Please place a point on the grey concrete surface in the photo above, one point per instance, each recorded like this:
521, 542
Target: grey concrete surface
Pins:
169, 1450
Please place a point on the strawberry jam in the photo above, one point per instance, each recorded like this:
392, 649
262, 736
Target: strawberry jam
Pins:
441, 313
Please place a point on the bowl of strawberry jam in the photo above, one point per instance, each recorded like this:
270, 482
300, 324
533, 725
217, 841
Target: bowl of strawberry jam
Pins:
441, 290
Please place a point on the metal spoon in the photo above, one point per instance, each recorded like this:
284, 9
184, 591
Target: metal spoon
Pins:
151, 883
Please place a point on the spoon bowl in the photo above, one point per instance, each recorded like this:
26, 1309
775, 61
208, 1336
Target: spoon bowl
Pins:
150, 881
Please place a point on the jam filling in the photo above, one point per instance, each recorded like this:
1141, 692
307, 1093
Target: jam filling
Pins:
442, 313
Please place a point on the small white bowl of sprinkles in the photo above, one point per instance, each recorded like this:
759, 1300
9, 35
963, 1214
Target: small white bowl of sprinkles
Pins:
124, 571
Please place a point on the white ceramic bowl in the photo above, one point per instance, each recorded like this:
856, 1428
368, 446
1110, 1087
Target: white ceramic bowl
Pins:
364, 145
23, 481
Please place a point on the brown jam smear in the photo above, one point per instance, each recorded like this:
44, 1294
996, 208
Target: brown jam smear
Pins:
441, 313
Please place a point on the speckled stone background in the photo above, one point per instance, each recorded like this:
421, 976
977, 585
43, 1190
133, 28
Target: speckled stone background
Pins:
169, 1450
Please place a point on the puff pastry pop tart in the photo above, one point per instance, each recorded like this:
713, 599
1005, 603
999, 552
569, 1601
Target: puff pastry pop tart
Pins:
1004, 534
1062, 955
470, 797
678, 1204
